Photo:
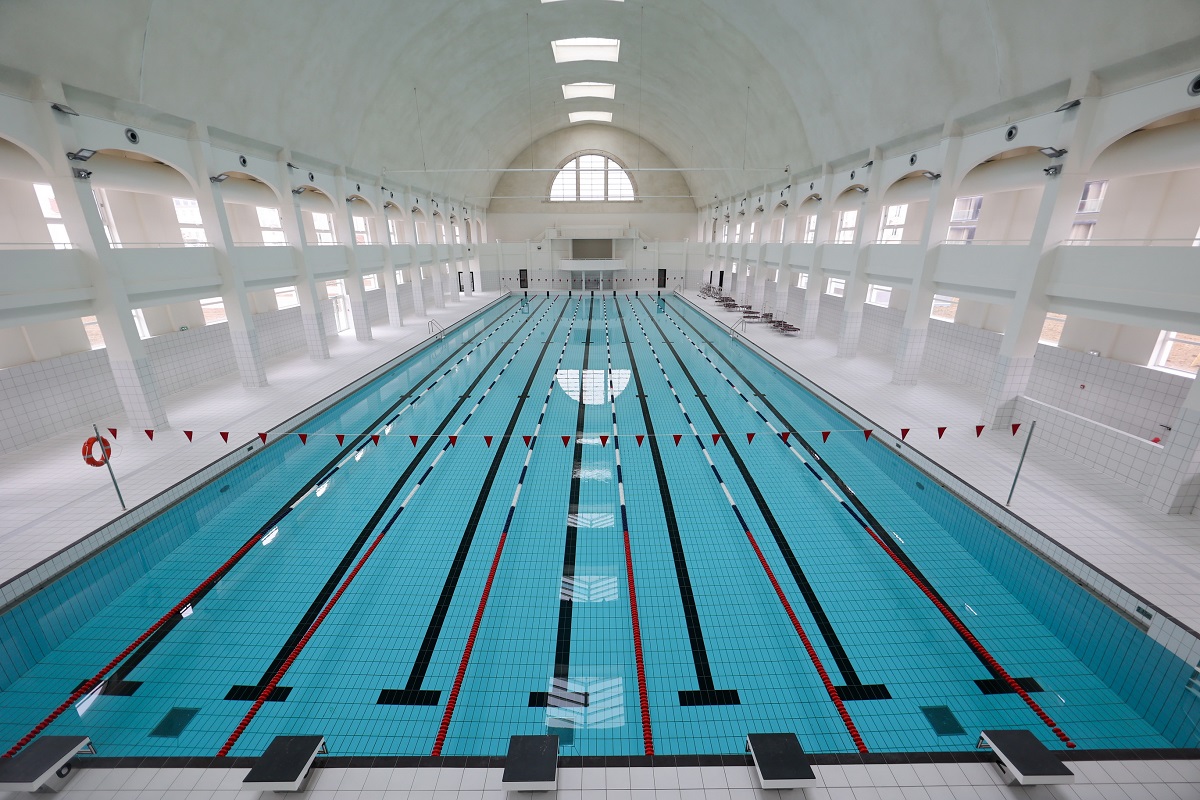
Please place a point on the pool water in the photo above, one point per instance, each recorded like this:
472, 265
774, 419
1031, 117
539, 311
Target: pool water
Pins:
466, 576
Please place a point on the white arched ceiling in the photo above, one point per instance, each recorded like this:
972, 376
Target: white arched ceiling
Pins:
741, 87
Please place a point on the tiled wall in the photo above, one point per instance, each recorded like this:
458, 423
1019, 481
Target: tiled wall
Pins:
829, 320
964, 353
795, 306
1124, 396
42, 398
377, 306
880, 330
279, 331
1128, 458
185, 358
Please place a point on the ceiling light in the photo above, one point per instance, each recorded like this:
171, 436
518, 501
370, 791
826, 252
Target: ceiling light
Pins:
933, 176
300, 190
1068, 104
607, 91
585, 49
82, 154
65, 109
219, 178
590, 116
1052, 152
1054, 170
860, 189
81, 174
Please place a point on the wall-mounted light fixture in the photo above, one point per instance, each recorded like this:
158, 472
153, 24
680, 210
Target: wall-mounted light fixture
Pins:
817, 197
1068, 104
860, 189
63, 108
290, 165
1053, 170
933, 176
300, 190
82, 154
1052, 152
81, 174
219, 178
868, 164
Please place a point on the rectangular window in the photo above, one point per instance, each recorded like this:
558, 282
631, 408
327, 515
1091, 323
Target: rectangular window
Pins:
777, 230
964, 218
323, 224
802, 280
879, 295
891, 226
944, 307
737, 233
110, 229
422, 271
362, 231
457, 235
753, 225
139, 321
1177, 351
776, 278
92, 328
399, 277
835, 287
1092, 197
214, 310
810, 229
57, 231
1081, 231
1052, 329
393, 234
960, 233
725, 233
287, 297
58, 235
187, 212
442, 229
846, 223
370, 282
734, 269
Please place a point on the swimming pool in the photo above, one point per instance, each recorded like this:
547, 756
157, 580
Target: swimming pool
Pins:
590, 515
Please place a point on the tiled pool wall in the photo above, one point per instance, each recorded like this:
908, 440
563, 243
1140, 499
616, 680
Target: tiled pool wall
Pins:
1149, 666
45, 605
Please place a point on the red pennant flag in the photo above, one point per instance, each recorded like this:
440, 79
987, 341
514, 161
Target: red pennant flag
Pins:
566, 440
411, 438
453, 441
784, 436
150, 434
341, 437
188, 434
604, 441
225, 436
527, 440
639, 438
677, 437
941, 431
979, 430
263, 436
303, 438
867, 435
749, 438
716, 437
1015, 426
825, 436
487, 440
375, 439
113, 431
903, 434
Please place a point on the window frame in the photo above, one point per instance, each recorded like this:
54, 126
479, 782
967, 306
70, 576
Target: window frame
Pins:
573, 164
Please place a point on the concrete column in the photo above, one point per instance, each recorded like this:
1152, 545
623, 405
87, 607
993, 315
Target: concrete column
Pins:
435, 267
127, 356
418, 292
292, 218
388, 277
344, 225
866, 230
816, 275
914, 331
1176, 489
1055, 216
238, 312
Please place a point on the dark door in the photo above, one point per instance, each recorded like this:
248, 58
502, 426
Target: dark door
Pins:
720, 279
460, 285
523, 278
662, 279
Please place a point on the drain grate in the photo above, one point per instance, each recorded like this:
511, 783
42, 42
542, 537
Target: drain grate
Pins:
174, 722
942, 720
565, 734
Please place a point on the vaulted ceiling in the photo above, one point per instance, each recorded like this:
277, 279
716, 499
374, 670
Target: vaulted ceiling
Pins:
729, 90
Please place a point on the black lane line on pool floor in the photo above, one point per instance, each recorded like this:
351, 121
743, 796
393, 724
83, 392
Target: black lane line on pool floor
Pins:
853, 688
280, 693
707, 694
412, 694
562, 696
996, 684
117, 685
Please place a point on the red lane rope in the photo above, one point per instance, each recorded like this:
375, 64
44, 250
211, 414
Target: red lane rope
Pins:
647, 734
292, 656
812, 653
466, 656
973, 642
95, 681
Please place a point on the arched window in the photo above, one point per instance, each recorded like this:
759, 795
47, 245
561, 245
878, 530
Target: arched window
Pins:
591, 177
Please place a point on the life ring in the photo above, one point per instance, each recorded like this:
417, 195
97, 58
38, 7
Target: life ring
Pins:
89, 445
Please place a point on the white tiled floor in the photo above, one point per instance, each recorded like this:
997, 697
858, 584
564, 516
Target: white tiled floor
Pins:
51, 499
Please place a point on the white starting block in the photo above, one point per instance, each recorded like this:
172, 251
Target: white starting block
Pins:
531, 764
780, 761
286, 763
1023, 759
44, 764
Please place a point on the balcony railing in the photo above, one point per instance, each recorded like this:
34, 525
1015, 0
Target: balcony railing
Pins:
1131, 242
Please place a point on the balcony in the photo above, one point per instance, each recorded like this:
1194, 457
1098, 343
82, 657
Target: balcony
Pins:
591, 264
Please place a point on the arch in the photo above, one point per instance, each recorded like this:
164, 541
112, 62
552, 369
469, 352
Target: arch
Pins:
18, 162
849, 198
310, 198
906, 189
1006, 171
1166, 145
355, 198
248, 189
127, 170
568, 185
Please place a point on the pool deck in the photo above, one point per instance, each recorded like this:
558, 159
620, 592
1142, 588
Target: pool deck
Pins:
52, 499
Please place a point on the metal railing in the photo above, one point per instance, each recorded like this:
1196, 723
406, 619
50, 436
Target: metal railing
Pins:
737, 327
435, 328
1131, 242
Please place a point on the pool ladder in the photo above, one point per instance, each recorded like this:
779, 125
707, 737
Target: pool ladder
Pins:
435, 329
735, 328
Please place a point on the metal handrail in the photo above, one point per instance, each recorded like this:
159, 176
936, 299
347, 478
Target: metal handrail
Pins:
435, 329
740, 325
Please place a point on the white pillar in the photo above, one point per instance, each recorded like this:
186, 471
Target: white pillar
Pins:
292, 218
866, 230
344, 225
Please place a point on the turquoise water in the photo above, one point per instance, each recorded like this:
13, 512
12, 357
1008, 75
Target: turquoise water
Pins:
395, 542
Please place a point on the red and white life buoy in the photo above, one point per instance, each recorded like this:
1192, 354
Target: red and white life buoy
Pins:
89, 457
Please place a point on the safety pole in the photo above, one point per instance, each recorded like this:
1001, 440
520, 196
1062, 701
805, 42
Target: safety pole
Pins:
1020, 463
110, 469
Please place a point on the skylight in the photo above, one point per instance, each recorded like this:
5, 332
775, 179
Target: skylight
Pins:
586, 49
590, 116
607, 91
